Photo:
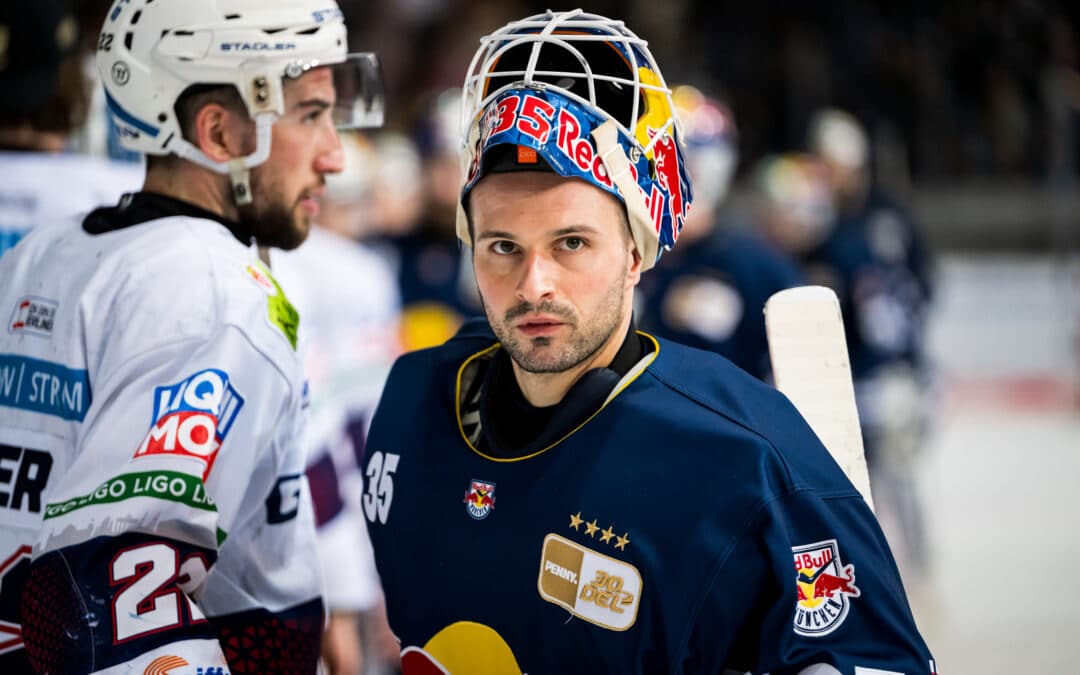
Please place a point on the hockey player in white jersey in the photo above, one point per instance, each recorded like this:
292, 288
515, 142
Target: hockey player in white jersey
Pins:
155, 510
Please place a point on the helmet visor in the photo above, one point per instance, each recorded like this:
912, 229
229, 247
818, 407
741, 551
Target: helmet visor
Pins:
358, 84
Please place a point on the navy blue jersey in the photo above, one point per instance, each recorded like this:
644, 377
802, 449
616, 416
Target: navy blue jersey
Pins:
693, 524
712, 295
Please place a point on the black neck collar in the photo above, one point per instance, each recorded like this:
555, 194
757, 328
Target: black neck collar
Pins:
513, 427
140, 207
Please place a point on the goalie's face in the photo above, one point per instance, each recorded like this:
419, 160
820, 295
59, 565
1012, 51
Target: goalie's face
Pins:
556, 267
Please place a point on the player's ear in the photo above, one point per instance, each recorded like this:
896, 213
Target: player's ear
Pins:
222, 134
633, 271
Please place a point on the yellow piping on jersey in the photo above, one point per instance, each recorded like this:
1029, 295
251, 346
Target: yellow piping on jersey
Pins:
623, 384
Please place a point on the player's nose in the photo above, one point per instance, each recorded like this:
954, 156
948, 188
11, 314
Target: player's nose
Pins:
537, 277
331, 159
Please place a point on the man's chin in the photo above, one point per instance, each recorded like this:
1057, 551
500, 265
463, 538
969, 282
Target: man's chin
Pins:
297, 234
540, 356
302, 230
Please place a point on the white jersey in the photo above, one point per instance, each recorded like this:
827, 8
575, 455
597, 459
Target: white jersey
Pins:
40, 188
150, 462
348, 301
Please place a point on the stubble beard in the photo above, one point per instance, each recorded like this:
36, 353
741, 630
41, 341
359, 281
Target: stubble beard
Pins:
274, 223
543, 354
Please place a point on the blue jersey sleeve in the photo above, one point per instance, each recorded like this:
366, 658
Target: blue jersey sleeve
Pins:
811, 581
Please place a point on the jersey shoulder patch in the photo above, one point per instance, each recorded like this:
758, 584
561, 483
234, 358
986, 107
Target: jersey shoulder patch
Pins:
279, 311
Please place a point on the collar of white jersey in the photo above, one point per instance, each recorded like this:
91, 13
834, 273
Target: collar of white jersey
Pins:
136, 208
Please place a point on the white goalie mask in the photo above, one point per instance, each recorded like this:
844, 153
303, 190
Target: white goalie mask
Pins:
584, 93
151, 51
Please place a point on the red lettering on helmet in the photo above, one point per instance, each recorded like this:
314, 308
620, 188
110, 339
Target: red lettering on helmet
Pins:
600, 172
569, 131
535, 118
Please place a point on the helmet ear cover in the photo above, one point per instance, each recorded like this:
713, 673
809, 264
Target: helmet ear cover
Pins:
585, 95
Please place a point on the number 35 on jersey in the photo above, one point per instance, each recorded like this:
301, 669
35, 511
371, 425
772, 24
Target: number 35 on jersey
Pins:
379, 488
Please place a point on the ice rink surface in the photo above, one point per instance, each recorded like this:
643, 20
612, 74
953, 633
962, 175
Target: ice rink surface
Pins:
1000, 472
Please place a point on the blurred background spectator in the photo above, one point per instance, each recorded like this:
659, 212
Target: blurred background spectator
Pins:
709, 290
438, 290
45, 102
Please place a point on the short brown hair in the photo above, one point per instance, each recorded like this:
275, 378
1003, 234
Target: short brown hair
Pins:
187, 107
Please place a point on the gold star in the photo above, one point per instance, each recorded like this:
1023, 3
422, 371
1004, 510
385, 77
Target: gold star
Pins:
575, 521
622, 541
607, 535
591, 528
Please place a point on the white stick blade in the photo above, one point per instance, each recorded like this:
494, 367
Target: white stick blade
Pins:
811, 367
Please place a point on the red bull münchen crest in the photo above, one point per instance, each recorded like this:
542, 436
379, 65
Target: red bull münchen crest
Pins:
825, 588
480, 499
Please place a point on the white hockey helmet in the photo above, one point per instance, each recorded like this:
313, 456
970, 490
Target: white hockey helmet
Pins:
838, 137
151, 51
584, 93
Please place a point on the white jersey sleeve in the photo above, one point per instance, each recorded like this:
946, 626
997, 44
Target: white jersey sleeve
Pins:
176, 522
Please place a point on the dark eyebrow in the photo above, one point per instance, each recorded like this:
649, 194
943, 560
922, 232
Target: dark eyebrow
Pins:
575, 229
561, 232
494, 234
321, 104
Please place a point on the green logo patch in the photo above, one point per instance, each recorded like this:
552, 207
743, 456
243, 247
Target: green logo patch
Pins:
171, 486
278, 308
283, 315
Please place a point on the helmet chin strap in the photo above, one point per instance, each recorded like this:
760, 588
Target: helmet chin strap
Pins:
642, 226
238, 169
240, 177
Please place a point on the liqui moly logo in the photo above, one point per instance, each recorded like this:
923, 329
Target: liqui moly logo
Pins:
193, 417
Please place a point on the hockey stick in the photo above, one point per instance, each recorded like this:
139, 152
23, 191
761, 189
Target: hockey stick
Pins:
810, 366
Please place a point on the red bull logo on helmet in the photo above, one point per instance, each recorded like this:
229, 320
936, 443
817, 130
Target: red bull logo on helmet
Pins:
667, 202
480, 499
824, 588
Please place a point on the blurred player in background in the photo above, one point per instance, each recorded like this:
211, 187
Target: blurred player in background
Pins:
710, 291
152, 413
394, 192
892, 299
798, 211
45, 98
347, 298
437, 288
841, 143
